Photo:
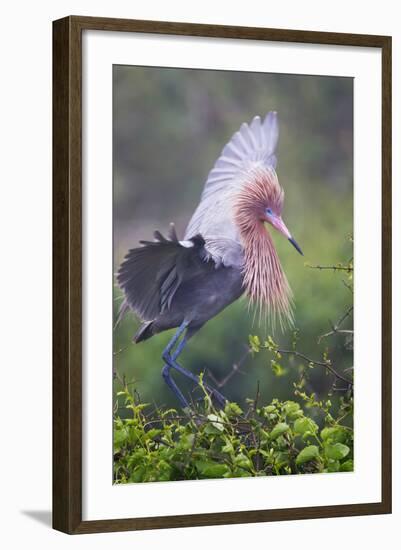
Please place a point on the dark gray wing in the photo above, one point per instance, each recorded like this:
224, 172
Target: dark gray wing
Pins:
151, 274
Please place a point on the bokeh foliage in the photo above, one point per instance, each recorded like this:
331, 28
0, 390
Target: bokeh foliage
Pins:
169, 127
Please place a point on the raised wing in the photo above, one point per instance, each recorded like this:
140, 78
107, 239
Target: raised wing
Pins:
252, 147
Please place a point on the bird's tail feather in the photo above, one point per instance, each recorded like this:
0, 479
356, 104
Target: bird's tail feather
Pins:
144, 332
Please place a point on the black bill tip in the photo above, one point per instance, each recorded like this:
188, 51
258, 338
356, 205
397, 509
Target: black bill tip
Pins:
296, 245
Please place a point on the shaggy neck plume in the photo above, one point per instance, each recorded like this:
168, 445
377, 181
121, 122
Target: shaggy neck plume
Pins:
264, 280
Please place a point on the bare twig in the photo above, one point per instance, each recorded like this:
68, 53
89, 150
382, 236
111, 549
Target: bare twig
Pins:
120, 350
324, 364
348, 286
335, 329
347, 268
345, 316
255, 403
234, 370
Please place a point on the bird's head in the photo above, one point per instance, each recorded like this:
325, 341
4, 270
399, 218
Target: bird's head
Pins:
261, 201
272, 215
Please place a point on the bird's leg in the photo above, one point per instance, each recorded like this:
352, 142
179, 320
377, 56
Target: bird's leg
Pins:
172, 363
173, 386
166, 369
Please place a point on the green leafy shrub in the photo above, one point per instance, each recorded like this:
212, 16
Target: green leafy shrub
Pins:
275, 439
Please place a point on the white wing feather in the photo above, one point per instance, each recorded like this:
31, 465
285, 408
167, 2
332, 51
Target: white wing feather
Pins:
251, 147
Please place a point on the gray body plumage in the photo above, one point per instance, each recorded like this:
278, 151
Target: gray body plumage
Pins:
167, 282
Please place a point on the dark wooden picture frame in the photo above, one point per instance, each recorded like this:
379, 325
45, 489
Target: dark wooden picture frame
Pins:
67, 274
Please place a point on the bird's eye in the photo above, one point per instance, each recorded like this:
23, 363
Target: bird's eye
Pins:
269, 211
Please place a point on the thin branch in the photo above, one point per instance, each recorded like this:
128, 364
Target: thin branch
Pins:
336, 327
324, 364
345, 316
334, 331
347, 268
255, 403
234, 370
348, 286
120, 350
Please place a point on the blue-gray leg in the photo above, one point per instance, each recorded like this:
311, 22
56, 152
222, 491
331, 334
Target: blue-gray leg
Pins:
173, 386
166, 369
171, 362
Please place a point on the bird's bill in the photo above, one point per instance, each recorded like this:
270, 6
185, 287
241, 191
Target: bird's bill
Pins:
295, 245
278, 224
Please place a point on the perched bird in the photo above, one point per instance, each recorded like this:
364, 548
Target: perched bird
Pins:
226, 251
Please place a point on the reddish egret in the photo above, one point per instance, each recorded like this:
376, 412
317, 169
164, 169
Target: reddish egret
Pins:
226, 250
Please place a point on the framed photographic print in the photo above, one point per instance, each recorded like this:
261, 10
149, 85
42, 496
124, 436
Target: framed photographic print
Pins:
222, 274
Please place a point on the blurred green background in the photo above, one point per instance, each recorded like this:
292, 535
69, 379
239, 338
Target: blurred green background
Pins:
169, 128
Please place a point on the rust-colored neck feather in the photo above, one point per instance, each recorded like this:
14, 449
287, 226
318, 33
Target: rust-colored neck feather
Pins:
264, 280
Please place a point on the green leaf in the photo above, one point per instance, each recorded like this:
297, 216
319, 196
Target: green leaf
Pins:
254, 343
311, 452
278, 430
138, 474
243, 461
347, 466
292, 410
227, 448
210, 429
269, 409
277, 369
271, 344
333, 466
209, 469
216, 422
163, 471
238, 472
120, 437
304, 425
335, 434
154, 432
281, 459
336, 451
232, 409
187, 441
